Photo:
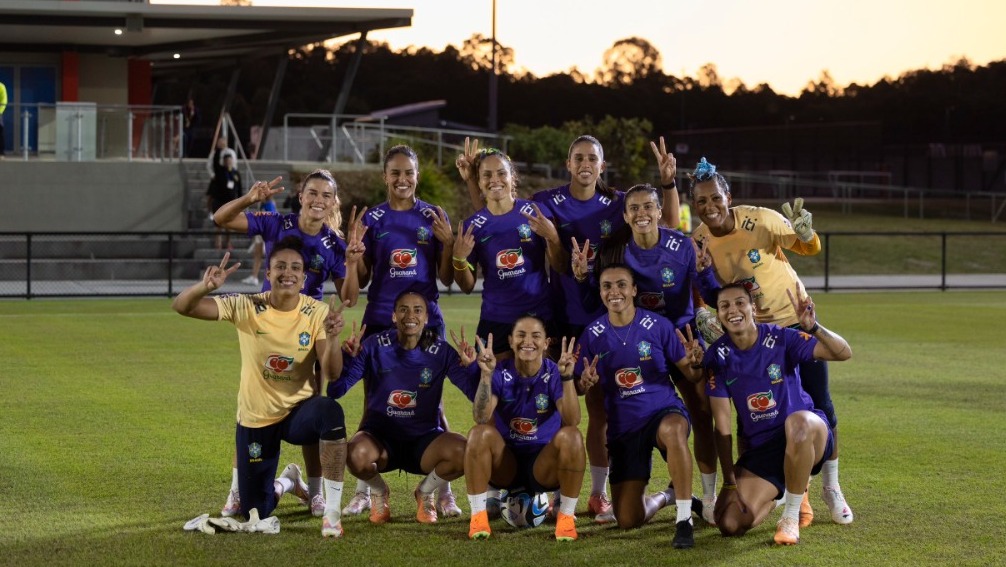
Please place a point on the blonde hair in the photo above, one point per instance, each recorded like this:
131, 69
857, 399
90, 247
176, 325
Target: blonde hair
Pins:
334, 219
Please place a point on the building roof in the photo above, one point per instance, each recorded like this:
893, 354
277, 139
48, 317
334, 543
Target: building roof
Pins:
197, 33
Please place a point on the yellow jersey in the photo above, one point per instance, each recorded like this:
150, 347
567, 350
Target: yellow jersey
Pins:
277, 354
753, 254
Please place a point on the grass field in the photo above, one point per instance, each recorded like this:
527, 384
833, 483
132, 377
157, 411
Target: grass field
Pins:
117, 427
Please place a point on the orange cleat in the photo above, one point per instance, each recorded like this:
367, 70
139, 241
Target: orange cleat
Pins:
565, 527
478, 527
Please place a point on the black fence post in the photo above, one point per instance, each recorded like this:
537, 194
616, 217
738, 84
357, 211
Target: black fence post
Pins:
27, 272
171, 263
943, 261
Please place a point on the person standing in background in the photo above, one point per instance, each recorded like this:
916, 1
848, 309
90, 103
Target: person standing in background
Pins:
3, 107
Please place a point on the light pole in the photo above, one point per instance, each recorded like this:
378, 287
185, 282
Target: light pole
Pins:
493, 79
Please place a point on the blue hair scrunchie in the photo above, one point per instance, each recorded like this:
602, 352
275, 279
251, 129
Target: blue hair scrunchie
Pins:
704, 171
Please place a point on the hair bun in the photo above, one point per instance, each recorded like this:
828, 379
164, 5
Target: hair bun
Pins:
704, 171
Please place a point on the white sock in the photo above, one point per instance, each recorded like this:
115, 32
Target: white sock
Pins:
829, 474
792, 508
779, 502
234, 479
362, 487
567, 505
478, 502
333, 498
684, 510
708, 485
598, 479
445, 488
493, 493
430, 483
314, 486
376, 485
283, 485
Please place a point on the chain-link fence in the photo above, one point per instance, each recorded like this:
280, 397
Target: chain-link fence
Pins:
163, 263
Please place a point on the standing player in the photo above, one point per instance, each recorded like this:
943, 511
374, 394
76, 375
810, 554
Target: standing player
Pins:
787, 440
533, 442
629, 353
407, 247
513, 242
745, 244
317, 225
404, 370
663, 262
282, 334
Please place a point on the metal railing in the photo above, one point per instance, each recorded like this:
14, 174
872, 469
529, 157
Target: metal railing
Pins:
85, 131
362, 139
51, 264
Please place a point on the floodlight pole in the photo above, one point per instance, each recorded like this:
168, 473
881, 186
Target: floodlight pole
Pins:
493, 82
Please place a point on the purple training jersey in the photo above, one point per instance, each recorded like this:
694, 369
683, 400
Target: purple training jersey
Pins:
763, 381
664, 275
513, 263
324, 252
403, 255
633, 367
527, 415
595, 219
404, 386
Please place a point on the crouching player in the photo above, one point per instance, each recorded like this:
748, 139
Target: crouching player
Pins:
281, 334
787, 439
526, 435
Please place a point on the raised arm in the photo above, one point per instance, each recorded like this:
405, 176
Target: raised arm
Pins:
328, 351
541, 225
349, 290
230, 216
444, 233
668, 166
466, 167
192, 301
569, 405
485, 400
464, 272
691, 364
830, 346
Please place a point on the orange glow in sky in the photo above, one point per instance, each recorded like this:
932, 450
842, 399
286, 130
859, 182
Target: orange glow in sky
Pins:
785, 43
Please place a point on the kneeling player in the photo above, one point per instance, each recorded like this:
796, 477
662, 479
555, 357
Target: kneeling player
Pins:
787, 439
526, 434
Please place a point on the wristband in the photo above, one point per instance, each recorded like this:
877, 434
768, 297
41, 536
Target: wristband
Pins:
569, 378
730, 486
814, 329
459, 259
667, 187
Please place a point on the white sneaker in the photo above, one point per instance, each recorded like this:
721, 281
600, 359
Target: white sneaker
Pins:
233, 505
358, 504
709, 509
835, 500
300, 490
317, 505
251, 280
447, 506
331, 527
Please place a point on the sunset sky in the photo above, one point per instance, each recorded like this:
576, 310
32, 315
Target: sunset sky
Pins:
785, 43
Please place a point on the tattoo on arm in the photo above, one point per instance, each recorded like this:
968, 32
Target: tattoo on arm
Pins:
482, 403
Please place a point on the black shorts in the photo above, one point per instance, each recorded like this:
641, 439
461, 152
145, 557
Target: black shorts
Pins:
768, 459
404, 453
501, 333
523, 477
630, 457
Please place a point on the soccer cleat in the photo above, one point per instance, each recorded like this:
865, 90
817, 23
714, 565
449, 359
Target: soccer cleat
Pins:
684, 535
565, 527
600, 507
426, 509
707, 510
300, 490
233, 505
787, 532
380, 508
250, 280
317, 505
806, 512
447, 506
357, 504
478, 526
840, 511
331, 528
494, 507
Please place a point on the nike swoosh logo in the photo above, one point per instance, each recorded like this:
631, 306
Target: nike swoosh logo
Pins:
730, 382
565, 224
381, 235
603, 354
258, 332
485, 238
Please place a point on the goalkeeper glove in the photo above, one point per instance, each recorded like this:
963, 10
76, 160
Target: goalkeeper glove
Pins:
708, 325
800, 218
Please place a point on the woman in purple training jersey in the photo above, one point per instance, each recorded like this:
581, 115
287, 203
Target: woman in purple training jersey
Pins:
663, 261
317, 225
404, 370
629, 353
526, 434
513, 242
754, 365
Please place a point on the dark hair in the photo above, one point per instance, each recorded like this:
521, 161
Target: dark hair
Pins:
400, 149
334, 220
735, 285
705, 171
615, 266
529, 316
428, 336
612, 250
601, 186
488, 152
288, 243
